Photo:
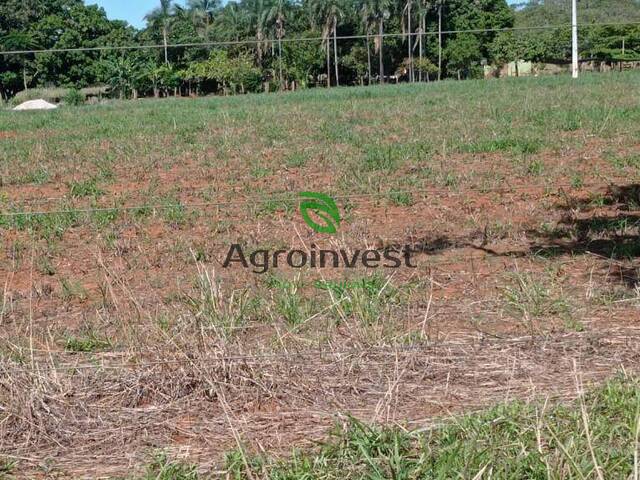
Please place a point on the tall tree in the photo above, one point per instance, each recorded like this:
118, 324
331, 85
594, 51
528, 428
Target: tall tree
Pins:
160, 17
380, 11
275, 17
21, 41
256, 17
422, 12
203, 15
329, 12
230, 21
367, 17
406, 27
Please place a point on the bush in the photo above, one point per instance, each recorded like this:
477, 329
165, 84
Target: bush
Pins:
74, 97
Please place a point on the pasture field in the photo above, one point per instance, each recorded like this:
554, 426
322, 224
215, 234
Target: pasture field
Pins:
129, 350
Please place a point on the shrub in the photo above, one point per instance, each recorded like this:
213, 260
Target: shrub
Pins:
74, 97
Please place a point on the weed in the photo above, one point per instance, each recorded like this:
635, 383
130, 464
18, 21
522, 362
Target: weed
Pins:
162, 468
39, 176
381, 158
88, 343
173, 212
365, 299
506, 439
7, 466
214, 308
269, 205
577, 181
288, 301
514, 145
295, 160
72, 290
535, 168
530, 297
44, 265
85, 188
258, 171
401, 198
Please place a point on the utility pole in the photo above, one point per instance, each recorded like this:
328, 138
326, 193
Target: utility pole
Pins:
440, 40
574, 38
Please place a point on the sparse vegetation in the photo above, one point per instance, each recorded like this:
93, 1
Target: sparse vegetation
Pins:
118, 315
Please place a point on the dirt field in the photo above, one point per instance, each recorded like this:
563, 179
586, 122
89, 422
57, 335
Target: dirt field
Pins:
122, 333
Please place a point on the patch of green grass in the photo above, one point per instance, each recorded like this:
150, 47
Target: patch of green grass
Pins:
39, 176
7, 466
88, 343
509, 442
85, 188
503, 144
401, 198
365, 298
531, 296
288, 300
48, 226
163, 468
624, 161
295, 160
381, 158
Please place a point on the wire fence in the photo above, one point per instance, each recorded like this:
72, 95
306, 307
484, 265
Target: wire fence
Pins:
310, 39
549, 189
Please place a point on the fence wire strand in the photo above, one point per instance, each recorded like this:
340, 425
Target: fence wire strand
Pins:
307, 39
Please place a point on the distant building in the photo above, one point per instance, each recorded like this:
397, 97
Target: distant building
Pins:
523, 68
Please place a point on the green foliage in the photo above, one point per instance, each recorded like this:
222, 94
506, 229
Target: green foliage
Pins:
85, 188
162, 468
74, 97
6, 468
463, 54
234, 74
425, 66
86, 344
246, 68
511, 441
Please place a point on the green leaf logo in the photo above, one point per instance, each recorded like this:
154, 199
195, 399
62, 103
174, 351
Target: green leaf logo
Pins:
324, 207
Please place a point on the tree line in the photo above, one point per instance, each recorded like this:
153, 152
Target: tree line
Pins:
286, 44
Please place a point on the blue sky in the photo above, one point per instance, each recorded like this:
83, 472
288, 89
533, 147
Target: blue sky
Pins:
134, 11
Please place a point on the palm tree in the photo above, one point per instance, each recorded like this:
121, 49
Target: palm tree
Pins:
230, 21
275, 16
160, 17
368, 21
202, 14
256, 19
407, 10
329, 12
423, 10
380, 12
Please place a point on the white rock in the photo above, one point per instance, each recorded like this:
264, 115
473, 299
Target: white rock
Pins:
36, 105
